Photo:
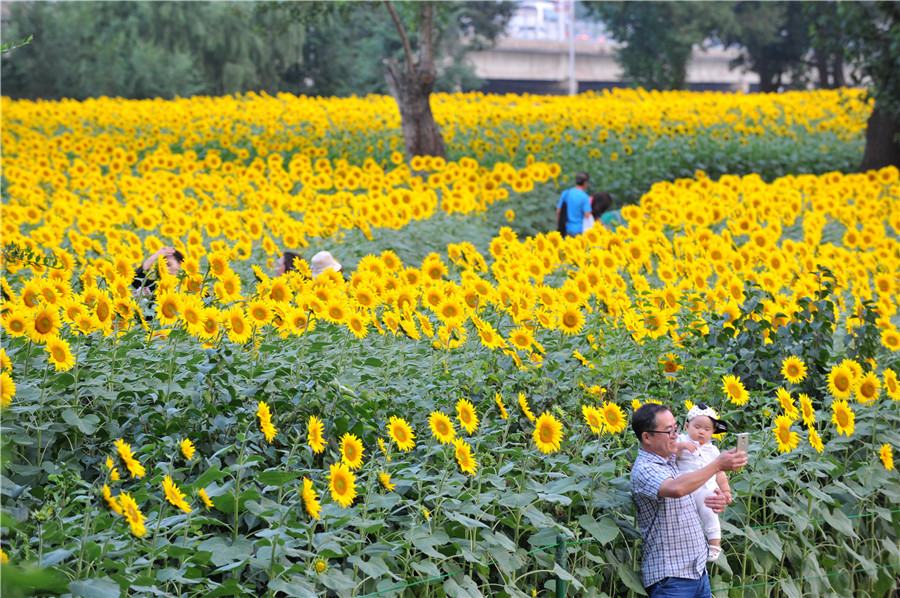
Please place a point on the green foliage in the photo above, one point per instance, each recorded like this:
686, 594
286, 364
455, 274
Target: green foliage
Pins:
660, 37
163, 49
16, 254
775, 40
872, 34
10, 46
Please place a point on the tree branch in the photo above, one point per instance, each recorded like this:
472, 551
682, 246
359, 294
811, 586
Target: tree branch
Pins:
428, 33
407, 49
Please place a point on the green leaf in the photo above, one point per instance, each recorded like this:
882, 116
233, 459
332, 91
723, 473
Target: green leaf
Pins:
604, 531
95, 588
630, 578
87, 425
276, 478
213, 474
839, 522
295, 587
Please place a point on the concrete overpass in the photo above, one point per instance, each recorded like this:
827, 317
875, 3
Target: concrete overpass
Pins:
542, 66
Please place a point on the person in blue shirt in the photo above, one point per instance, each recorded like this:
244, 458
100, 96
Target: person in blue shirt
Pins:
577, 205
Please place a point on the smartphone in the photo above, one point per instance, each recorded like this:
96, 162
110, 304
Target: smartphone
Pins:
743, 441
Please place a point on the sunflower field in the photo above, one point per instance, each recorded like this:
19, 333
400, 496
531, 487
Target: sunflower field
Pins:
451, 417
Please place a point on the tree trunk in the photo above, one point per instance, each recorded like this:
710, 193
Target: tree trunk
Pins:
412, 91
882, 145
837, 70
412, 88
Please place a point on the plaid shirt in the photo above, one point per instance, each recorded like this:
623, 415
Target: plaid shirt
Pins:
674, 543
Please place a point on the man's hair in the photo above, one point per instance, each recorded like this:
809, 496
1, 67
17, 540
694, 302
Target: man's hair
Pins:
178, 256
644, 419
581, 178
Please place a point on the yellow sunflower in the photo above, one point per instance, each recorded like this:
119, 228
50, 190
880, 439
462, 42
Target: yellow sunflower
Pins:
840, 381
188, 449
867, 388
806, 408
132, 514
842, 416
467, 462
385, 479
401, 433
500, 406
593, 418
60, 354
204, 498
547, 433
111, 502
174, 495
259, 312
265, 421
44, 324
793, 369
467, 416
613, 417
441, 427
521, 338
523, 403
887, 456
315, 434
351, 451
670, 363
7, 390
571, 320
168, 307
735, 390
891, 339
891, 385
342, 484
787, 440
15, 321
311, 499
815, 441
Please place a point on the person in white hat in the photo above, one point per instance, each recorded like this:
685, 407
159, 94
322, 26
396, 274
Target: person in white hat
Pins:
696, 450
323, 261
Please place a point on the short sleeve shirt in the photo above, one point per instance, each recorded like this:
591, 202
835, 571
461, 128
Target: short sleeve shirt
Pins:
578, 203
674, 542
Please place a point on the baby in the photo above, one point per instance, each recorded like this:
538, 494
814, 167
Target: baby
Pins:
695, 450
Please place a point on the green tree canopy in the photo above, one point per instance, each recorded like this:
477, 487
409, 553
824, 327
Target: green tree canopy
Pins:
659, 37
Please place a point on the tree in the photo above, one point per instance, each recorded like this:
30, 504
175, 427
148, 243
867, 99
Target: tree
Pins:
411, 87
659, 37
415, 47
870, 34
827, 42
145, 49
774, 39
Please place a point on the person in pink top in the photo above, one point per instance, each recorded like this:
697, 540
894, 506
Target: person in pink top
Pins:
696, 450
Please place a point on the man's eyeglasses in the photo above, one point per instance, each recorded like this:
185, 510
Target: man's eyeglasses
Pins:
673, 433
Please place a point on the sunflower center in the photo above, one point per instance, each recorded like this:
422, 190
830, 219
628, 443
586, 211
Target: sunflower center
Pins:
867, 390
59, 354
43, 324
340, 485
237, 325
842, 418
842, 383
546, 434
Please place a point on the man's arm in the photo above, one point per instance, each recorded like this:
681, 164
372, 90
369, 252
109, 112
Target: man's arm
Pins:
687, 483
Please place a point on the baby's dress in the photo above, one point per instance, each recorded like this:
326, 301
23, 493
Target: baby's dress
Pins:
703, 456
